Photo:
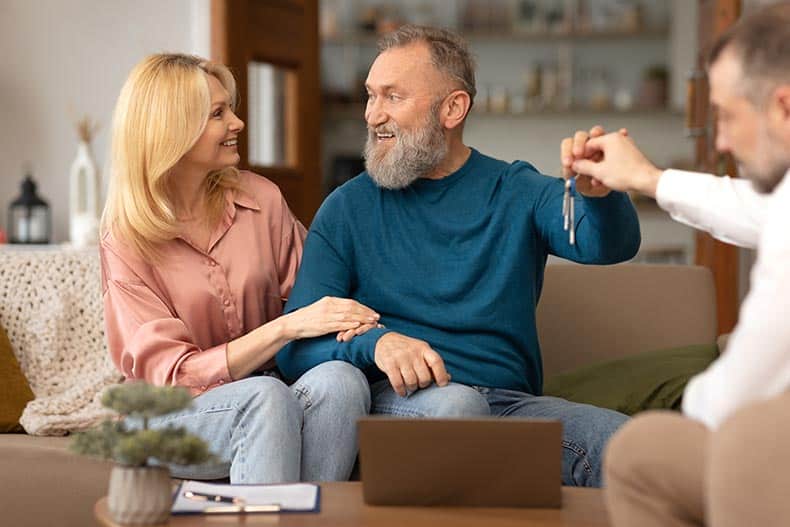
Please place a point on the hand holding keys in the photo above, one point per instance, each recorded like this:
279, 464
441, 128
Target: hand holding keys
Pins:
569, 209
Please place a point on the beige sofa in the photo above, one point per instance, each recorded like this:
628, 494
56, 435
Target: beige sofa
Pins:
586, 314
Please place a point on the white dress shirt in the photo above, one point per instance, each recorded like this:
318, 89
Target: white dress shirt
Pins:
756, 363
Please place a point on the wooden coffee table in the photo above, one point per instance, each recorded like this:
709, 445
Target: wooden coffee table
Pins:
342, 506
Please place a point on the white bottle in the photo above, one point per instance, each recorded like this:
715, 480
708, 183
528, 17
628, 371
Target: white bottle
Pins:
84, 199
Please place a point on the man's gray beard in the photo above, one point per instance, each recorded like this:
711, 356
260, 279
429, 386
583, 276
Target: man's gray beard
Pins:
775, 162
415, 154
766, 185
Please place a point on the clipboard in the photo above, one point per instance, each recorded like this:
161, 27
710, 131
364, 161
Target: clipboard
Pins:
197, 497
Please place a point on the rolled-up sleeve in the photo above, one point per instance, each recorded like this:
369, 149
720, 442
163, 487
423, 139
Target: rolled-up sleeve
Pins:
756, 364
731, 210
147, 341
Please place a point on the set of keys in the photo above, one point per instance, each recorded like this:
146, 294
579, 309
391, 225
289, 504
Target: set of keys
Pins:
569, 209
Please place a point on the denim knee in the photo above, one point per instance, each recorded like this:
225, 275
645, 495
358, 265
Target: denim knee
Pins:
457, 400
273, 398
337, 381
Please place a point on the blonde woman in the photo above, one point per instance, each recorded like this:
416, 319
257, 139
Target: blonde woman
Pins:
197, 258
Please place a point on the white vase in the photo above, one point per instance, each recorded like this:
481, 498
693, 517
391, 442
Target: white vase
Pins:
84, 198
139, 495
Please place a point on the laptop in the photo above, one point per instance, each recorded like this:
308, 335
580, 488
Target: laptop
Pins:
489, 462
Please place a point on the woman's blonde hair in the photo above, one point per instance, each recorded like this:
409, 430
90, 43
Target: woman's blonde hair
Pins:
161, 112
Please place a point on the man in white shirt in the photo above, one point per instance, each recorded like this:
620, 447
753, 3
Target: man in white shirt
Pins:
724, 461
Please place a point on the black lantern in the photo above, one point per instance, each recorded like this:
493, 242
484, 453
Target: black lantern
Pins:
29, 216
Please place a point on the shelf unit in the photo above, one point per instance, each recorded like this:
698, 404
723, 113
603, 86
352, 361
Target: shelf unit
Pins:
370, 39
356, 110
354, 47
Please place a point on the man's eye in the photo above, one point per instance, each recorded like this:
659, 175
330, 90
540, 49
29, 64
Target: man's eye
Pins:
393, 97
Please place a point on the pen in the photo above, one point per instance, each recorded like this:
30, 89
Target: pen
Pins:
274, 507
199, 496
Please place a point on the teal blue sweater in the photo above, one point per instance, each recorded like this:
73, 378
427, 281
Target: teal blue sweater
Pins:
457, 262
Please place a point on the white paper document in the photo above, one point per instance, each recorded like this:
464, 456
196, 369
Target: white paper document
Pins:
195, 497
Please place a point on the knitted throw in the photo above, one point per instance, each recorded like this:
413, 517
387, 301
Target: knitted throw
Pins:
51, 308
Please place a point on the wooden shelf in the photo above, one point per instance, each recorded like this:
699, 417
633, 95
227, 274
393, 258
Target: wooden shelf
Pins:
337, 111
369, 39
663, 254
580, 112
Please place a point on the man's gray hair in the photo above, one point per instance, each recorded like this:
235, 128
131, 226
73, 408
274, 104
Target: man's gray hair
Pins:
761, 41
449, 52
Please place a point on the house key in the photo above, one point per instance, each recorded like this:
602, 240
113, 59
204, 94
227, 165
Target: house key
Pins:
569, 209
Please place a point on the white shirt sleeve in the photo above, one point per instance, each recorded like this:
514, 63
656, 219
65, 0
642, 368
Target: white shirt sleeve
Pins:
756, 364
729, 209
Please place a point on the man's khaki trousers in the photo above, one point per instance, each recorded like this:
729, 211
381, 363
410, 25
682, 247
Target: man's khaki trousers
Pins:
662, 469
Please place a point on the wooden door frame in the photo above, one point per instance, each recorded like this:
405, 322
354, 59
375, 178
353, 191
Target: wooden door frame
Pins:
715, 16
230, 44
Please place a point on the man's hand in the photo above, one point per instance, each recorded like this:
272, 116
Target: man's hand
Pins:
409, 363
614, 161
572, 149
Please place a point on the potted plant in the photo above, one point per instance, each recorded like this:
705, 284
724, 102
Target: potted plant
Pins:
140, 489
654, 87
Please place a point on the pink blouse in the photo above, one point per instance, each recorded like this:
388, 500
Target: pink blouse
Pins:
170, 322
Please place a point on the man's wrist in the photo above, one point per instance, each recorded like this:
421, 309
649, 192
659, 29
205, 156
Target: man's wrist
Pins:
648, 184
370, 341
381, 335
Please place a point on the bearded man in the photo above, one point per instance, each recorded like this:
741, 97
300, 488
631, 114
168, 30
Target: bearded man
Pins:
449, 246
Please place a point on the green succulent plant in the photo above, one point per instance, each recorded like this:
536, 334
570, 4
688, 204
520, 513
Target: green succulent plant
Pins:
132, 446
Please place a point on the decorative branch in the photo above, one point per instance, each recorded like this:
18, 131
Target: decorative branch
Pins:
126, 444
86, 128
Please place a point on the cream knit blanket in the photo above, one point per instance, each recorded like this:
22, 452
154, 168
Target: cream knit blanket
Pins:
51, 308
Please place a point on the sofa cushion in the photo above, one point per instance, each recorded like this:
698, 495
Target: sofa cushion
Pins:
650, 380
14, 389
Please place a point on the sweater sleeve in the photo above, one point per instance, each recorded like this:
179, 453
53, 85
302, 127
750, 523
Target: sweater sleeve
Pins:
607, 229
325, 271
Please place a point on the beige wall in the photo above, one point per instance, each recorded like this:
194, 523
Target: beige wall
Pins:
65, 58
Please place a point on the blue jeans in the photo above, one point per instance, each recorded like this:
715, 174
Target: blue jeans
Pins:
585, 429
265, 431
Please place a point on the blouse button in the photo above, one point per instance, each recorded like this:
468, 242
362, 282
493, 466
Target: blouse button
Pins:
221, 381
227, 302
203, 388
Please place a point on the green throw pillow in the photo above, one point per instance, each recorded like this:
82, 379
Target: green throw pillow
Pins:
652, 380
14, 389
